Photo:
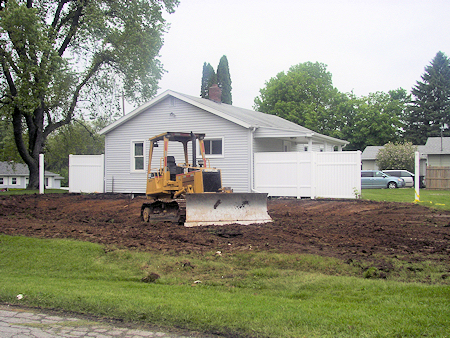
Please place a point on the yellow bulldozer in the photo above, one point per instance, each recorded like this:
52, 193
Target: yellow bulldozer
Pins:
191, 193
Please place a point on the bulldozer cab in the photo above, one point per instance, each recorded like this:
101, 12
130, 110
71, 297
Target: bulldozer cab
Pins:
171, 178
167, 162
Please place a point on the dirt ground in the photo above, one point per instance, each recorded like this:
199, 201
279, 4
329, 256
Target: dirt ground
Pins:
347, 229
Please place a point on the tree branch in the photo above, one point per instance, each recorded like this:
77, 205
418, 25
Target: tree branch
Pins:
84, 126
101, 59
9, 79
18, 137
58, 12
73, 28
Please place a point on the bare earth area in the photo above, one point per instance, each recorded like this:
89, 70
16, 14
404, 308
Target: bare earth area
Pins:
350, 230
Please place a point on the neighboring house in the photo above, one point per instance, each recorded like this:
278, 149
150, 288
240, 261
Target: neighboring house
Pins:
15, 175
369, 158
435, 153
437, 150
233, 135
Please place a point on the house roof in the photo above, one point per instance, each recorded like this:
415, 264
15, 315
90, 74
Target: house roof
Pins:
370, 153
20, 169
437, 146
244, 117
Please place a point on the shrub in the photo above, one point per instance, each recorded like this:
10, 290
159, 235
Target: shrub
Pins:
397, 156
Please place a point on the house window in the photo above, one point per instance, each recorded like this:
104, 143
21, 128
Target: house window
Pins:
305, 148
138, 155
13, 180
46, 182
1, 180
213, 147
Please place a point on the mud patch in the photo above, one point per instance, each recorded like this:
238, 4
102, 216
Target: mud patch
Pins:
351, 230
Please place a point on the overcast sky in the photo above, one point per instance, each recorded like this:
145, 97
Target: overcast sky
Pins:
368, 45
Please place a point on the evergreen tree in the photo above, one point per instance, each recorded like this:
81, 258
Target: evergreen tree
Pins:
207, 75
224, 80
430, 109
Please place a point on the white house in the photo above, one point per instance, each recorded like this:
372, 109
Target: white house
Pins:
15, 175
233, 135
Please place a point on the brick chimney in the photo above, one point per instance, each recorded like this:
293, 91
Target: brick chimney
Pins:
215, 93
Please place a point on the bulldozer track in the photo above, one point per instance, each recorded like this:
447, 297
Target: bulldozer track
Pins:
173, 211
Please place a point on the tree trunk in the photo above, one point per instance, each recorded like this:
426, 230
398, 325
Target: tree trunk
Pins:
30, 154
33, 182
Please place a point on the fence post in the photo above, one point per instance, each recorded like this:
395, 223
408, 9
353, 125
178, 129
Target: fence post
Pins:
417, 177
313, 174
41, 174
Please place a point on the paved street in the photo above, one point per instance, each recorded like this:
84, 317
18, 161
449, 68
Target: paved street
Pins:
16, 322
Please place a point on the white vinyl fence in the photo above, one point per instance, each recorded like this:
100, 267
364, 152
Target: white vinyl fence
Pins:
309, 174
86, 173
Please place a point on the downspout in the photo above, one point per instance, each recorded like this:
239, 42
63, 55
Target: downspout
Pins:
252, 169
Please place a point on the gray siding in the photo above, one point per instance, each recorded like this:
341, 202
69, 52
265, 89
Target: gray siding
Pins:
267, 145
369, 165
175, 115
438, 160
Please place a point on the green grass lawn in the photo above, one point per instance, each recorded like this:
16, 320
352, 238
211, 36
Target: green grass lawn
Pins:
30, 192
252, 294
439, 199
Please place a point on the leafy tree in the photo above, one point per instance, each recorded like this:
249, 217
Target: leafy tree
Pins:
55, 54
8, 149
304, 95
207, 75
430, 109
397, 156
77, 138
224, 80
372, 120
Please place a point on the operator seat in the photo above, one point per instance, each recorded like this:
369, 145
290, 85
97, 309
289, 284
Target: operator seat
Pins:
172, 166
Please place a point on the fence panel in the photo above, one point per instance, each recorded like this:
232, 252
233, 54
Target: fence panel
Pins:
86, 173
309, 174
283, 174
338, 174
438, 177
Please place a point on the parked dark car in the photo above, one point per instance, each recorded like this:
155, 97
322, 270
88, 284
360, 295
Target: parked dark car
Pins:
371, 179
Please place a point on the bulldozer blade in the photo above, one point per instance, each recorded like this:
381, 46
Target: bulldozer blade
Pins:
226, 208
